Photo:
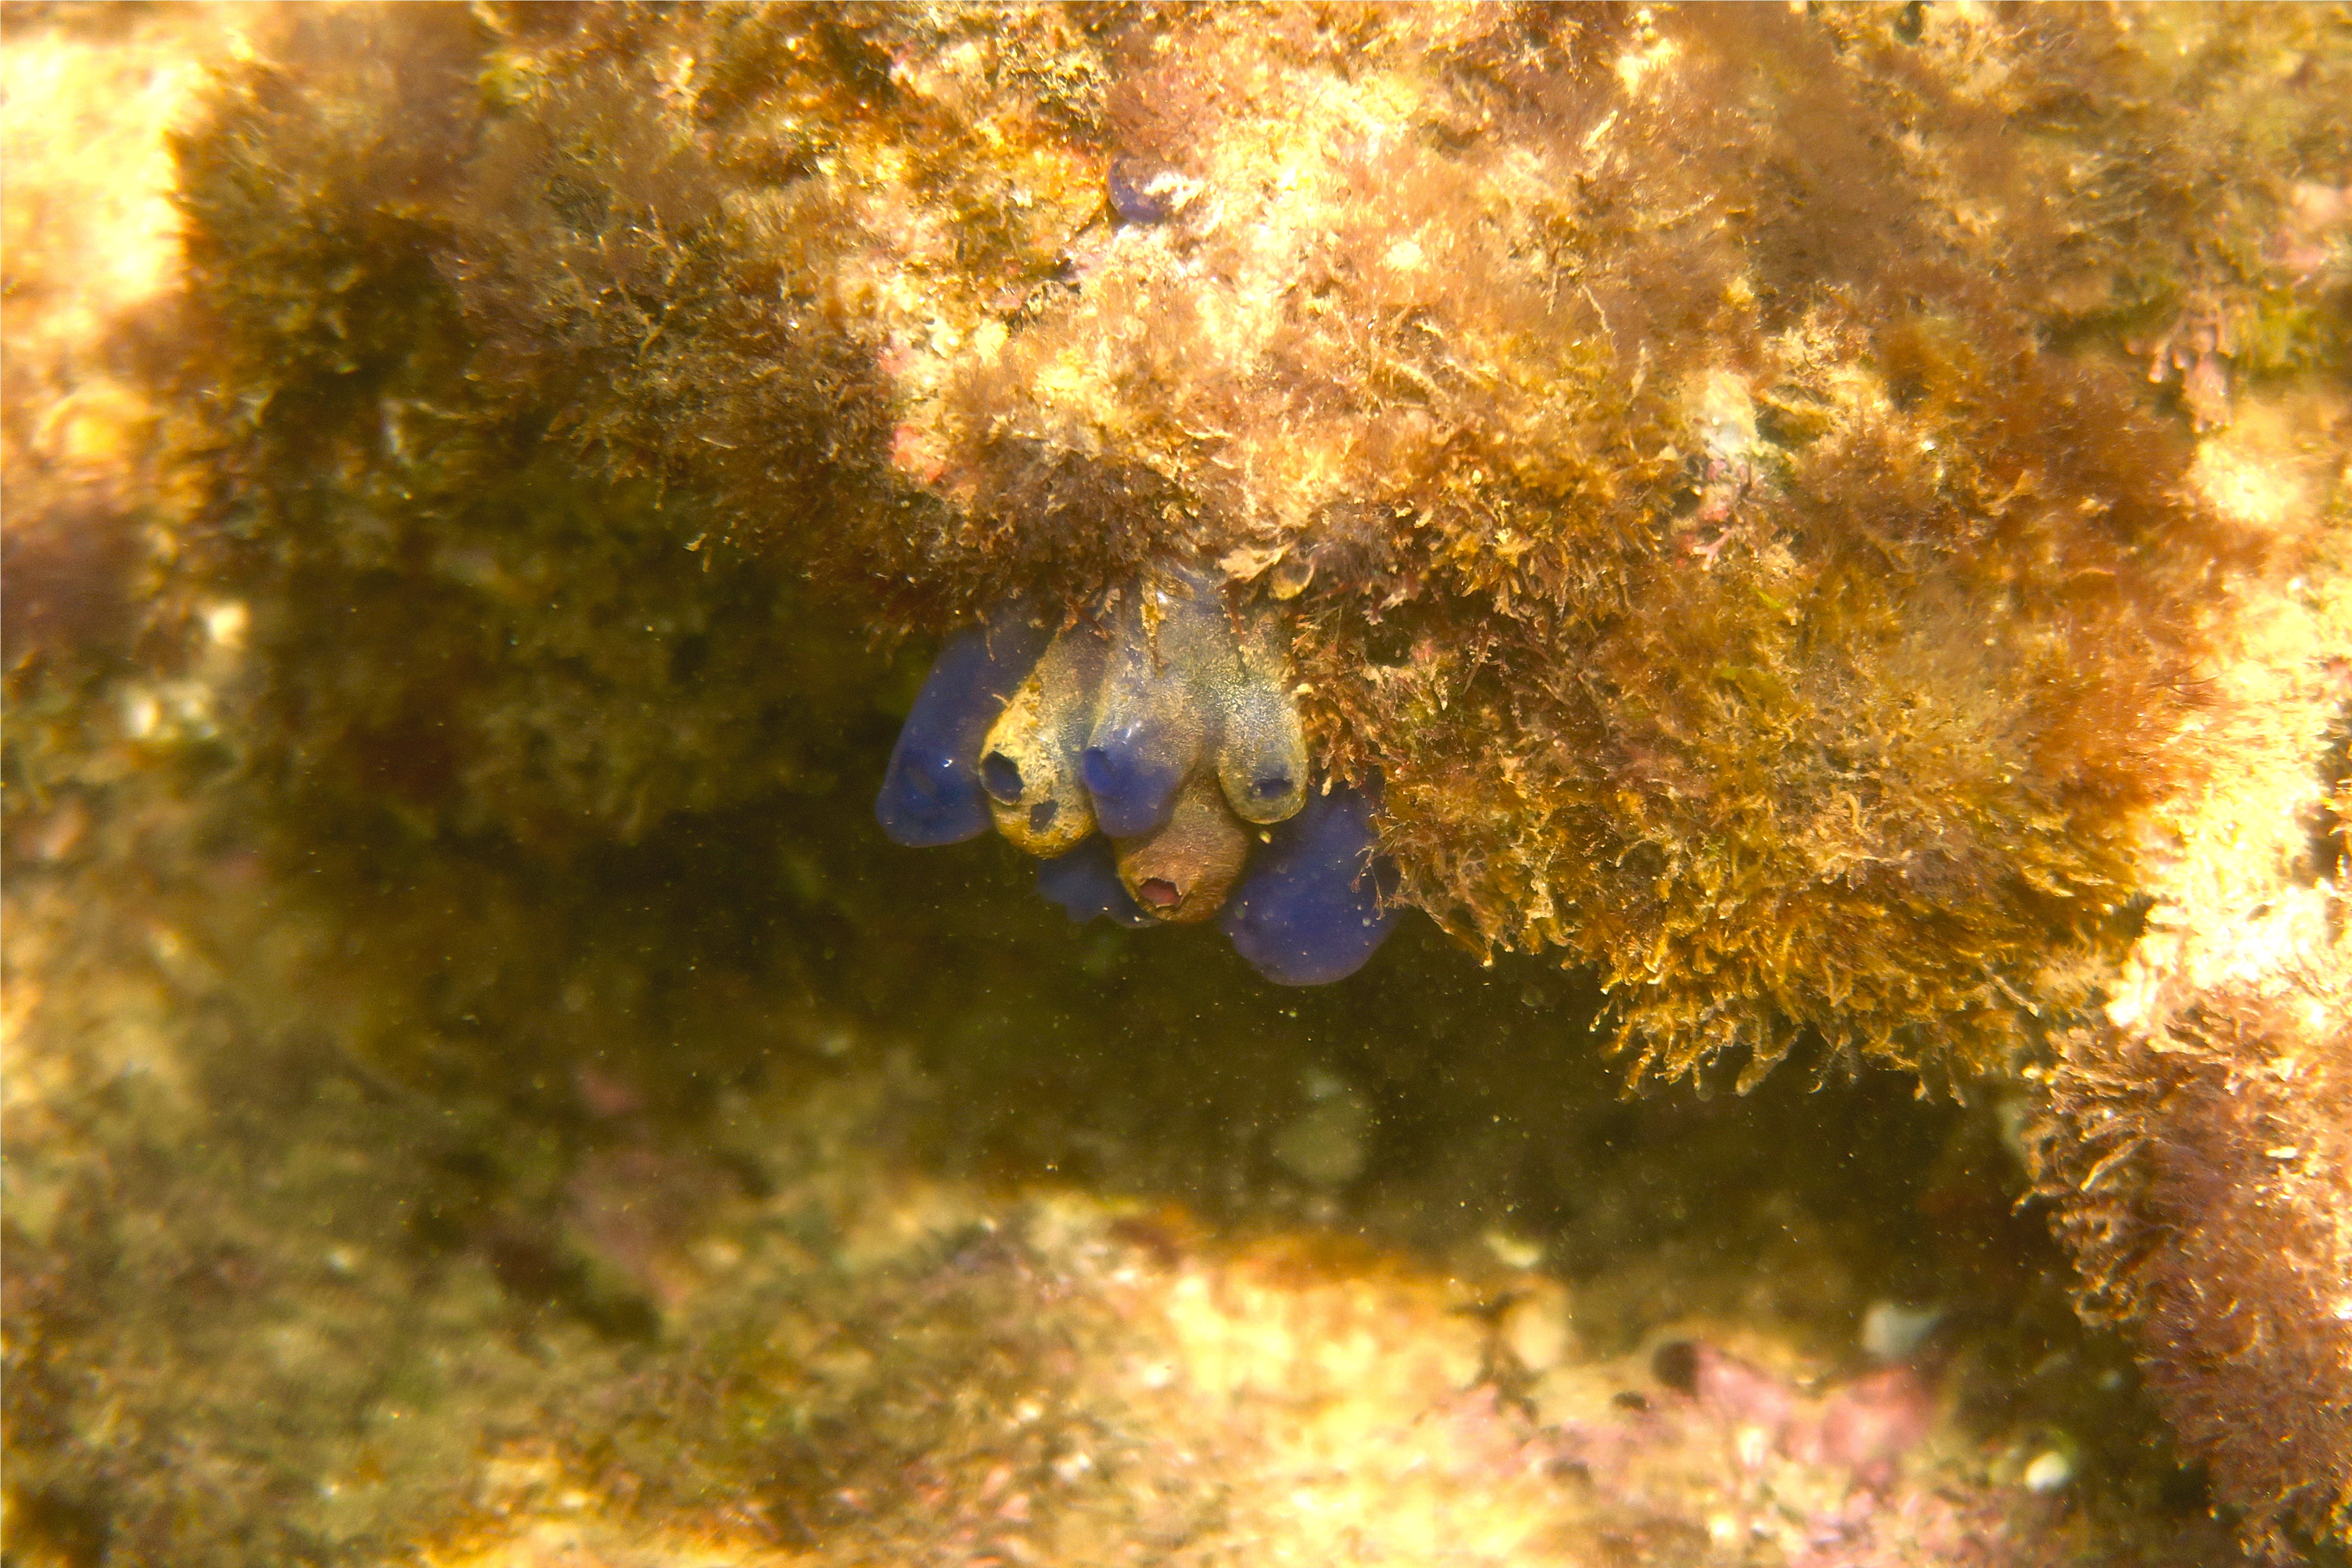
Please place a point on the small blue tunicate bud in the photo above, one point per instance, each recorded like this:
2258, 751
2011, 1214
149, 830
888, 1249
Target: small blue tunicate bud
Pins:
1144, 191
1137, 190
931, 792
1309, 909
1086, 883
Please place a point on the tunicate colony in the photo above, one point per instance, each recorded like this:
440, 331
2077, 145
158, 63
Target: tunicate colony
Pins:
1140, 761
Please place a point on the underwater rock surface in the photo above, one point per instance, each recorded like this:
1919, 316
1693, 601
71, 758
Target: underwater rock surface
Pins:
1736, 535
2194, 1138
1829, 524
1702, 471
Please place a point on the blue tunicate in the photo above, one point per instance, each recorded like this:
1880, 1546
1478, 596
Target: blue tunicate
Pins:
1132, 777
1153, 720
1308, 910
931, 793
1086, 883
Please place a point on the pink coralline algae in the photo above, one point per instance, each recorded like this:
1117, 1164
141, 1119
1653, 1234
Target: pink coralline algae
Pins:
1842, 1478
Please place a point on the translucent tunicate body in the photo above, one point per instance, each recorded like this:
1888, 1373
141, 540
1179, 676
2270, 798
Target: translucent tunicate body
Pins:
1153, 720
1029, 762
1262, 747
1181, 872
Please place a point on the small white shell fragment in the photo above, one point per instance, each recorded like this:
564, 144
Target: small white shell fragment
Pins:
2049, 1471
1537, 1330
1891, 1330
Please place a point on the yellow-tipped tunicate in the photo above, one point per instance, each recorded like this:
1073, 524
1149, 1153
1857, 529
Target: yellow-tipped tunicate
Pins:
1029, 762
1183, 872
1261, 752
